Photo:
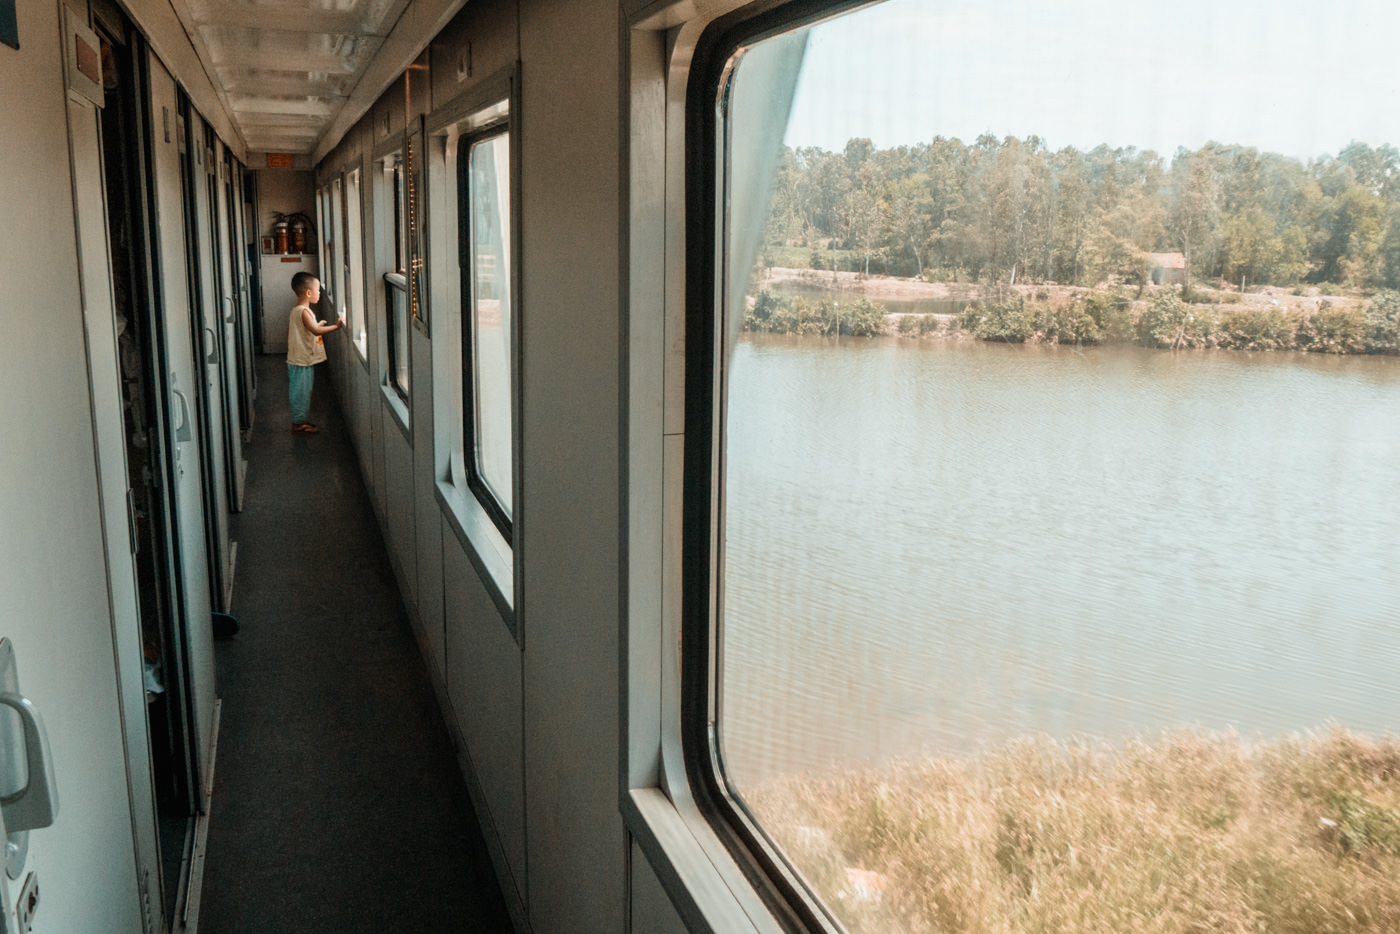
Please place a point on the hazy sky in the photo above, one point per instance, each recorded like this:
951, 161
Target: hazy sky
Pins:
1285, 76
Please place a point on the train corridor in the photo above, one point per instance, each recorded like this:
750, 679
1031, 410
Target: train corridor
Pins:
338, 804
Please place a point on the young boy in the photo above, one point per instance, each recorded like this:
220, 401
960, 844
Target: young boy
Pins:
304, 347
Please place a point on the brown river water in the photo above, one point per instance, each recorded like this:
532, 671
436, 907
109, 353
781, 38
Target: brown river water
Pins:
932, 546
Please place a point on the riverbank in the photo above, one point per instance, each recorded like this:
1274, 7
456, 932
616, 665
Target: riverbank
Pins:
895, 288
830, 304
1187, 832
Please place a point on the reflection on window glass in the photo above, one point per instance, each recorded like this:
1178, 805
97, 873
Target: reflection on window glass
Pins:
395, 169
488, 193
1058, 579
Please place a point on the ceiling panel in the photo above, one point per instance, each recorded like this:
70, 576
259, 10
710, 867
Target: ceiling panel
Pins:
285, 69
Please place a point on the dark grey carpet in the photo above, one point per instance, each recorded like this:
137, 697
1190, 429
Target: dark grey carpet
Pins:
338, 804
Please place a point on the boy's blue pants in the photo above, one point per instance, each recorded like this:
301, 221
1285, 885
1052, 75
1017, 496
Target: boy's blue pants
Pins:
299, 379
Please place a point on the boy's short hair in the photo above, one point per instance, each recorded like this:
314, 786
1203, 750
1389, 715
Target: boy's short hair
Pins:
302, 282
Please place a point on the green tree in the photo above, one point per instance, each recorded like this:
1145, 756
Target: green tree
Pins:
1195, 216
910, 224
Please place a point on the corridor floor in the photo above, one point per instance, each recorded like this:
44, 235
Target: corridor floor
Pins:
338, 804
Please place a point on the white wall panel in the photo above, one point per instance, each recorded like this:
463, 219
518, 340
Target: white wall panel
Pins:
398, 501
53, 585
428, 526
568, 514
484, 686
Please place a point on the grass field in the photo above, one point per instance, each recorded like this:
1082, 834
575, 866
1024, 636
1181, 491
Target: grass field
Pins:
1188, 832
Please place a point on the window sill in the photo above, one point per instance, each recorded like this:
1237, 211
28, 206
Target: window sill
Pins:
489, 553
706, 886
399, 410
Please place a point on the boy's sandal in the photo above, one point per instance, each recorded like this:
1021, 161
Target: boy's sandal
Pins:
306, 427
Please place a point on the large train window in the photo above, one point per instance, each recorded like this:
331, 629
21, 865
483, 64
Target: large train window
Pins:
1041, 383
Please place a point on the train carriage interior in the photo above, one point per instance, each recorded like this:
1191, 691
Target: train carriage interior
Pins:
821, 466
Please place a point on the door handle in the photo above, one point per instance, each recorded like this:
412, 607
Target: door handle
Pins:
213, 345
183, 432
36, 804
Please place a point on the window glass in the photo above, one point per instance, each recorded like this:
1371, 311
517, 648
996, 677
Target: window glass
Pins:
395, 170
354, 263
391, 253
323, 221
484, 186
334, 271
1056, 457
396, 306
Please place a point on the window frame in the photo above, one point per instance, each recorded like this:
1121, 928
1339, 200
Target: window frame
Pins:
357, 316
414, 222
490, 105
397, 191
332, 232
386, 245
777, 882
476, 482
322, 212
397, 376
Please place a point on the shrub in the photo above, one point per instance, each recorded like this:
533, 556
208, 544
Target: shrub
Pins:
1258, 329
1382, 323
765, 305
1162, 324
1068, 324
774, 315
1112, 315
860, 318
1010, 321
1333, 330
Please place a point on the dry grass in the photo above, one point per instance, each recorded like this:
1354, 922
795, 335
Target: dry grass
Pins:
1192, 832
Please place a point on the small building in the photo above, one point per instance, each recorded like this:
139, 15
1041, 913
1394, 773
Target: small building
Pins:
1167, 268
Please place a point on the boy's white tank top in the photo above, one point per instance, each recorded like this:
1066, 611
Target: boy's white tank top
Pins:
303, 347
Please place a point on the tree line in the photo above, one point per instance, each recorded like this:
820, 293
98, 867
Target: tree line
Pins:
1012, 210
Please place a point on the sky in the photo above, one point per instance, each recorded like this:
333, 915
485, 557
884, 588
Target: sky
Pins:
1301, 79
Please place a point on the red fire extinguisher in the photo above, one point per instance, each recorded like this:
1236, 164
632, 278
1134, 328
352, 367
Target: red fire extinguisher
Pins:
279, 234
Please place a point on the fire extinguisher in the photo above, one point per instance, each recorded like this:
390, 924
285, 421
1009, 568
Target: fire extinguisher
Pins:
300, 227
279, 234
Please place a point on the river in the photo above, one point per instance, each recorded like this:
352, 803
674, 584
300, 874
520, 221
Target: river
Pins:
932, 546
